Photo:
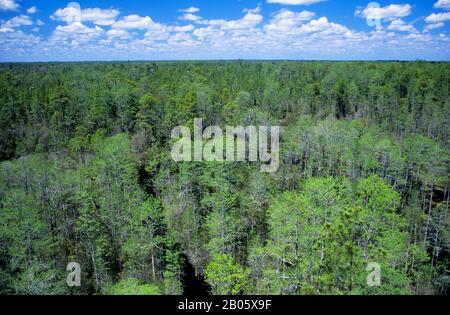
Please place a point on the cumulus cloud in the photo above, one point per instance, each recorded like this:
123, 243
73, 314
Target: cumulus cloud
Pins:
322, 25
17, 21
73, 13
16, 42
134, 22
187, 28
190, 17
32, 10
295, 2
190, 10
208, 32
442, 4
389, 13
251, 19
430, 27
4, 29
97, 32
153, 30
401, 26
115, 33
158, 34
437, 17
138, 22
285, 21
181, 40
76, 33
8, 5
189, 14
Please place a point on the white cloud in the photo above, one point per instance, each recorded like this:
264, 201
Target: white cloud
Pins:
295, 2
76, 28
430, 27
76, 33
189, 14
187, 28
287, 21
190, 17
32, 10
437, 17
156, 34
18, 43
190, 10
181, 40
401, 26
221, 35
137, 22
208, 32
390, 12
251, 19
73, 13
17, 21
154, 31
4, 29
442, 4
8, 5
256, 10
286, 34
114, 33
322, 25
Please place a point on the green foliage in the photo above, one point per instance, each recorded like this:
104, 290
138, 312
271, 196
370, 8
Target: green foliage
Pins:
322, 238
225, 276
132, 287
86, 175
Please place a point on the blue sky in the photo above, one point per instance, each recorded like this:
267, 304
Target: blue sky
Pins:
49, 30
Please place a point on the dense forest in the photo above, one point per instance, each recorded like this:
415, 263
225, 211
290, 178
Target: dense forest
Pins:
86, 176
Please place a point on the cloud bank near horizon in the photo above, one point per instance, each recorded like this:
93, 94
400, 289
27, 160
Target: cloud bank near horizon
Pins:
276, 29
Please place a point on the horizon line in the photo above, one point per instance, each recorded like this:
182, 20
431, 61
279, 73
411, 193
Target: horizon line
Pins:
226, 59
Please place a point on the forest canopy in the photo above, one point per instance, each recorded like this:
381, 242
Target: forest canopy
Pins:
86, 176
